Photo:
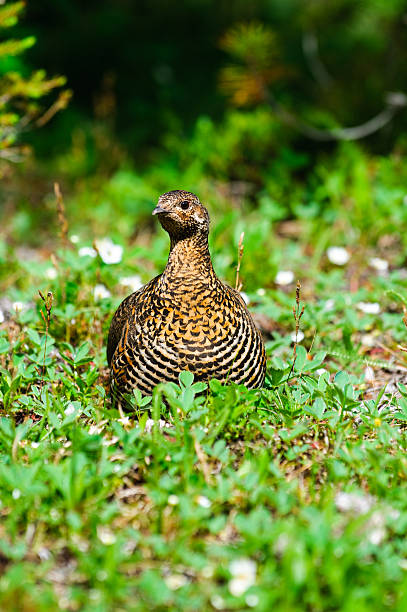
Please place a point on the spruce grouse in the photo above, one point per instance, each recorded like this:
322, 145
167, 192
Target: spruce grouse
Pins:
185, 318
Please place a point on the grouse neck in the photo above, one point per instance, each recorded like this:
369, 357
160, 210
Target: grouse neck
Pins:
189, 259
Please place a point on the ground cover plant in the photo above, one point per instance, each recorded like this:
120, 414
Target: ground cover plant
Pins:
203, 496
290, 497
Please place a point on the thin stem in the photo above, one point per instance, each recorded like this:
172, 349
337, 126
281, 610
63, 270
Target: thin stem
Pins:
46, 318
240, 249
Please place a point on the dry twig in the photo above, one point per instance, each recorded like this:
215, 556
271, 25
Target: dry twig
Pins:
403, 348
63, 223
203, 462
240, 249
60, 104
298, 311
46, 318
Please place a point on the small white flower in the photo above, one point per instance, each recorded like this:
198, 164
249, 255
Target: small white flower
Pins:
369, 307
207, 571
329, 305
100, 292
203, 501
243, 576
261, 292
393, 514
18, 306
70, 409
44, 554
284, 277
376, 524
16, 494
369, 374
34, 444
87, 251
110, 441
353, 502
173, 500
74, 239
175, 581
379, 264
217, 602
105, 535
367, 340
338, 255
54, 514
245, 297
376, 527
109, 252
150, 424
321, 371
1, 316
134, 282
377, 535
124, 421
297, 337
94, 595
281, 543
95, 429
51, 273
63, 602
252, 600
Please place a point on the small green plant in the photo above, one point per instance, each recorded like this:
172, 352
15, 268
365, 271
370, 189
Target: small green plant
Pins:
205, 496
20, 95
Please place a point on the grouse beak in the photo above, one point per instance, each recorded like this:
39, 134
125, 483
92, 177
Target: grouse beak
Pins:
158, 210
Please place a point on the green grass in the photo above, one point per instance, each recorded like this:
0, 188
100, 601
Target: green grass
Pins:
208, 497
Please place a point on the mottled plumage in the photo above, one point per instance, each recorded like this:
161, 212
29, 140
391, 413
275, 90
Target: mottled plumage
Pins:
185, 318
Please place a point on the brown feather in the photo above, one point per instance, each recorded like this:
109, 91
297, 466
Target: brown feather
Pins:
185, 318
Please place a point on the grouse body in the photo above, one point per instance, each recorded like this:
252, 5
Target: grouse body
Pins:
185, 318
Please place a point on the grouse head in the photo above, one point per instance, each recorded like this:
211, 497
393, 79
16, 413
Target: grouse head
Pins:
181, 214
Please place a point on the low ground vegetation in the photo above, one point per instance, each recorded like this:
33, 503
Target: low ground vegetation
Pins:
203, 496
209, 497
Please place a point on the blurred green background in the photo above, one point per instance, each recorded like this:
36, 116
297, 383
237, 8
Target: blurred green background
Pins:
242, 102
151, 69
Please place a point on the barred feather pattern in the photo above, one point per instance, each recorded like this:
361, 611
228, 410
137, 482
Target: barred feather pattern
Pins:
185, 318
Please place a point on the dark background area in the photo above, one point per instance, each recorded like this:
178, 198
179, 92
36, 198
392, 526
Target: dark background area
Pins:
229, 100
159, 62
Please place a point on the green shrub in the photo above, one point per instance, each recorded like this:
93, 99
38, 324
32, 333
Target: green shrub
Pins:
20, 94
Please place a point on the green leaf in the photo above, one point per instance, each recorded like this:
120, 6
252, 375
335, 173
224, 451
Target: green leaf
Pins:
186, 378
34, 336
341, 379
316, 409
4, 345
290, 434
15, 47
9, 13
301, 358
316, 361
199, 387
81, 354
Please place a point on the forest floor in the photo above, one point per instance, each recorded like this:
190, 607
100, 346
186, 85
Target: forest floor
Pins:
291, 497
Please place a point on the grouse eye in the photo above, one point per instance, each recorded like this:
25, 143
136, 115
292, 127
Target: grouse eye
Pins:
184, 205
